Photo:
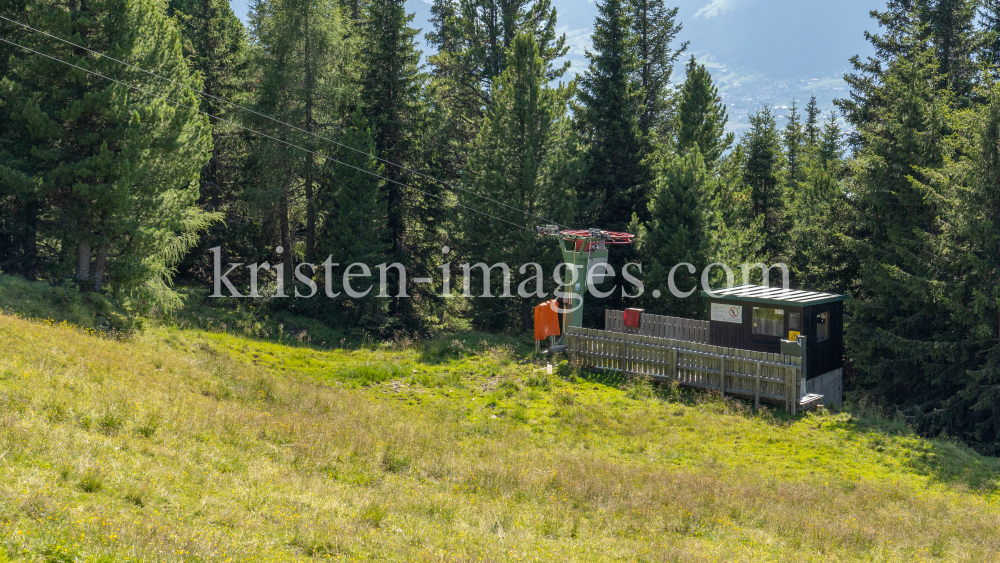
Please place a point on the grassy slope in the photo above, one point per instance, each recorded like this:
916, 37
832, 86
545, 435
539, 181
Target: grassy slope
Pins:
189, 445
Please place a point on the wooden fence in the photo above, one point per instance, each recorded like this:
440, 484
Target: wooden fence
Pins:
659, 326
763, 376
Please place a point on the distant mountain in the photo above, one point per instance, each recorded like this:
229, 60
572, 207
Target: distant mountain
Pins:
760, 51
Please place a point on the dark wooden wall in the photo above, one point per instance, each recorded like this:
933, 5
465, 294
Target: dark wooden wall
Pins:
828, 355
821, 357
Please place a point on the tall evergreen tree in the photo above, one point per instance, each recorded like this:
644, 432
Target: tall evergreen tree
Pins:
899, 334
973, 412
762, 168
677, 231
472, 39
701, 117
526, 156
216, 46
812, 123
113, 170
391, 90
655, 27
353, 224
607, 114
306, 80
795, 146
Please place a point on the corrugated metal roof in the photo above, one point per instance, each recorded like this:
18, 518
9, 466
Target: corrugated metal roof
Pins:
775, 295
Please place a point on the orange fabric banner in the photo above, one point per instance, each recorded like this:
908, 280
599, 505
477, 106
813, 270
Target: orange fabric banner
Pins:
546, 320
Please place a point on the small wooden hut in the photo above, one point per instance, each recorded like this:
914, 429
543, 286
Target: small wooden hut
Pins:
767, 319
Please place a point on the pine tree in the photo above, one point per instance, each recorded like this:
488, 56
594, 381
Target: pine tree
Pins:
973, 412
473, 38
304, 59
391, 88
353, 224
899, 331
701, 117
677, 231
607, 115
761, 172
812, 123
525, 156
114, 171
655, 27
794, 141
216, 46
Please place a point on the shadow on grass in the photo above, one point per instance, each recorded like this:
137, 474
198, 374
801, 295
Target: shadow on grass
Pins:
943, 459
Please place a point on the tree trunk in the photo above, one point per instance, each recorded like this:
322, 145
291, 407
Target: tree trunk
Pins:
82, 261
286, 235
100, 266
310, 165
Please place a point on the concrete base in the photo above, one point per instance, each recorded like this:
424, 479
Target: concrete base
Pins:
830, 385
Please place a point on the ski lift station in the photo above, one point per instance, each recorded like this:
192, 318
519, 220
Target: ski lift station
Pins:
768, 344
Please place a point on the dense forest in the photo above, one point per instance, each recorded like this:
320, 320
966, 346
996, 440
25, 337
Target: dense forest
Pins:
137, 135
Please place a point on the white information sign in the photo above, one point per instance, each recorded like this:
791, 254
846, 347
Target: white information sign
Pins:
727, 313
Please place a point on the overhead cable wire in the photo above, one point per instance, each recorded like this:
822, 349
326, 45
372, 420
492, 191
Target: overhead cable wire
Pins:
522, 227
265, 116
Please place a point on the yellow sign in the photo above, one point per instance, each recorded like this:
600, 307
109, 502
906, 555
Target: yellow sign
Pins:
793, 335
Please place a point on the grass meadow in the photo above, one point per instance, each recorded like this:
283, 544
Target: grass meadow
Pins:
192, 445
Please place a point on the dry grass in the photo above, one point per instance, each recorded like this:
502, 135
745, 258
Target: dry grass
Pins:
176, 446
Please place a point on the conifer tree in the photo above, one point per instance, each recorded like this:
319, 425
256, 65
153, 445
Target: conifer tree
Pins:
677, 231
526, 156
114, 171
607, 114
353, 225
762, 168
391, 84
899, 332
655, 27
304, 59
216, 46
812, 123
973, 412
794, 141
472, 39
701, 117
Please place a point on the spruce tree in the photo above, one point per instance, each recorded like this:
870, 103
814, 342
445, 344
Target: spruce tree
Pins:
794, 141
973, 412
473, 38
677, 231
392, 88
114, 171
655, 27
526, 156
216, 46
812, 123
701, 117
899, 332
304, 59
607, 114
353, 225
762, 167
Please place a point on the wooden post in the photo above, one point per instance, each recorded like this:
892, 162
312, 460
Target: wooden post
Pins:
756, 396
722, 377
795, 390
